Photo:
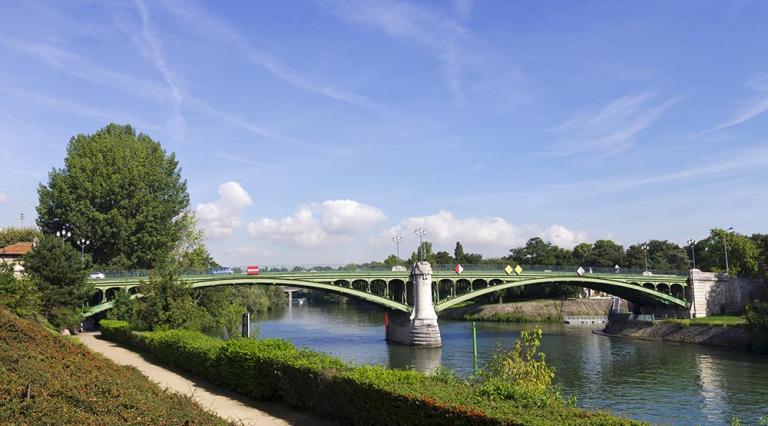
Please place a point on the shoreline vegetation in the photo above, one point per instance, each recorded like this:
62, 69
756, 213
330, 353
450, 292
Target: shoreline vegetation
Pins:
515, 388
49, 379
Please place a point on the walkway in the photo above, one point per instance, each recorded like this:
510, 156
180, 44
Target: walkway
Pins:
224, 403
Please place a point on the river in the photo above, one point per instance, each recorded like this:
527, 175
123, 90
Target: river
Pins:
653, 381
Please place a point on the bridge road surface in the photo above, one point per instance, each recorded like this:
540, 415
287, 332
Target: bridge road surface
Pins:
226, 404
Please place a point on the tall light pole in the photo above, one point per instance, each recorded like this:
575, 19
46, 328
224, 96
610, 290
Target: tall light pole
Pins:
82, 242
421, 232
692, 243
397, 239
644, 246
725, 247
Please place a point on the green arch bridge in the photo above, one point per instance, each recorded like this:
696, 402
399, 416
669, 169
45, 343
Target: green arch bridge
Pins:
392, 289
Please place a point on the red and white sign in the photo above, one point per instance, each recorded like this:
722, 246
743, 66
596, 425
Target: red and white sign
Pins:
252, 270
459, 269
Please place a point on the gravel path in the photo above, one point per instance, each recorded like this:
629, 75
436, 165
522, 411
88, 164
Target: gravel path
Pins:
224, 403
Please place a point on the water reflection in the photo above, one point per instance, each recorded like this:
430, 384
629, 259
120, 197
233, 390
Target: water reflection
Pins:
652, 381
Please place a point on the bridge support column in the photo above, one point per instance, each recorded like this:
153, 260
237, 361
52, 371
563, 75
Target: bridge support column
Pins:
421, 328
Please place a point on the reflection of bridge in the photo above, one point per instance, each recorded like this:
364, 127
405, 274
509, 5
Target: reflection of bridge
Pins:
393, 289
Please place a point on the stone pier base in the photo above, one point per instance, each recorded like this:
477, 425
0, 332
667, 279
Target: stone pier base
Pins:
413, 332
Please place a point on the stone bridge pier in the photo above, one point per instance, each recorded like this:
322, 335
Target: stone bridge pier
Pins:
420, 328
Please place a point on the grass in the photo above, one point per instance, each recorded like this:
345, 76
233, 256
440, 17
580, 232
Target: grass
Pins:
719, 320
70, 385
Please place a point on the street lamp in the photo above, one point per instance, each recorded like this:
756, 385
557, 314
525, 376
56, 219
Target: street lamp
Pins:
63, 234
397, 239
692, 243
421, 232
644, 246
725, 247
82, 242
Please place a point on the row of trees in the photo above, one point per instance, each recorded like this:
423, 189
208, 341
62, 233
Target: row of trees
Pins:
747, 255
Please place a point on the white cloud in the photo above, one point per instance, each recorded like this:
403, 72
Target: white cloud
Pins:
563, 237
3, 198
222, 216
752, 108
318, 224
490, 235
612, 129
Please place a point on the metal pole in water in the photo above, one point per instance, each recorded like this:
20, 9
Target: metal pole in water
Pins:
246, 324
474, 344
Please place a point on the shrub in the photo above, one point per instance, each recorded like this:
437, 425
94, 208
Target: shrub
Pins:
274, 369
757, 324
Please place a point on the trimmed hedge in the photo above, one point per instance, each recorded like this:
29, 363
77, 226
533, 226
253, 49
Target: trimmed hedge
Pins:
274, 369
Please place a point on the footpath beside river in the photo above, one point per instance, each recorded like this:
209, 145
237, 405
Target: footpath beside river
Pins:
547, 310
223, 403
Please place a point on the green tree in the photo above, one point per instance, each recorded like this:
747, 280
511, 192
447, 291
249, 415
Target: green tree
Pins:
61, 278
424, 250
12, 235
581, 253
167, 303
443, 258
20, 295
120, 190
190, 252
761, 241
540, 252
393, 260
606, 254
458, 252
743, 253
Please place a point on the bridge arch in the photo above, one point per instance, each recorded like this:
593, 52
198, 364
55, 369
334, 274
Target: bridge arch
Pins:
678, 291
628, 291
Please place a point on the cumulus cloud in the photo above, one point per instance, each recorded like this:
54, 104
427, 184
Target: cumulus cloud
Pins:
222, 216
563, 237
492, 235
318, 224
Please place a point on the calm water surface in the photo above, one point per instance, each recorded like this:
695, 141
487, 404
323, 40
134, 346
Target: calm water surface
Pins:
658, 382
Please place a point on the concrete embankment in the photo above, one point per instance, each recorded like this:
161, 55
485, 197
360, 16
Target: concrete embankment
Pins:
709, 335
530, 311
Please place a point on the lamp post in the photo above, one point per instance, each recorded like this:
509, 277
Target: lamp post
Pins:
644, 246
82, 242
725, 247
397, 239
421, 232
692, 243
63, 234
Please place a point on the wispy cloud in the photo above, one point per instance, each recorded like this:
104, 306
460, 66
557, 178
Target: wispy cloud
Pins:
244, 160
435, 30
154, 50
71, 107
611, 129
208, 25
754, 107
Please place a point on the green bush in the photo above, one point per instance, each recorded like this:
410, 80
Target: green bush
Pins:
757, 324
274, 369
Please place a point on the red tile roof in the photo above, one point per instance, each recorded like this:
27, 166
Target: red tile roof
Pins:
18, 249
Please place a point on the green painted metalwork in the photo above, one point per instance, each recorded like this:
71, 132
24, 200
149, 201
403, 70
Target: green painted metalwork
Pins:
637, 288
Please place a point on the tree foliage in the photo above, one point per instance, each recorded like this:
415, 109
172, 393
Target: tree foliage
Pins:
12, 235
61, 278
120, 190
20, 295
539, 252
743, 253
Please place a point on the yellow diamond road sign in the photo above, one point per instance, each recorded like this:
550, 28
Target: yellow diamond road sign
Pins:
508, 270
518, 269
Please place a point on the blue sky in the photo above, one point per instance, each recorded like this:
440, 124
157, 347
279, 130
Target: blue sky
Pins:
311, 131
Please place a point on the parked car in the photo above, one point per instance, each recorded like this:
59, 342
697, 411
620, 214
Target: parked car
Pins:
223, 271
97, 276
252, 270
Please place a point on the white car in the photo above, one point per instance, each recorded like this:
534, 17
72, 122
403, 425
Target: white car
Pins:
97, 276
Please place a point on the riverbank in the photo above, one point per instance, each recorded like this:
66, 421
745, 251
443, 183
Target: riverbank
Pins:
49, 379
547, 310
731, 336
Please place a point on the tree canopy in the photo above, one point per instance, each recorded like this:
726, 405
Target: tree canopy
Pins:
120, 190
10, 236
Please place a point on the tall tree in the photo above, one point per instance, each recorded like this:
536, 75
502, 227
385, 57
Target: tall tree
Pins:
743, 253
581, 253
458, 252
540, 252
120, 190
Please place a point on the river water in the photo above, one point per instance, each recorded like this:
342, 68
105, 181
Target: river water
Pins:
657, 382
